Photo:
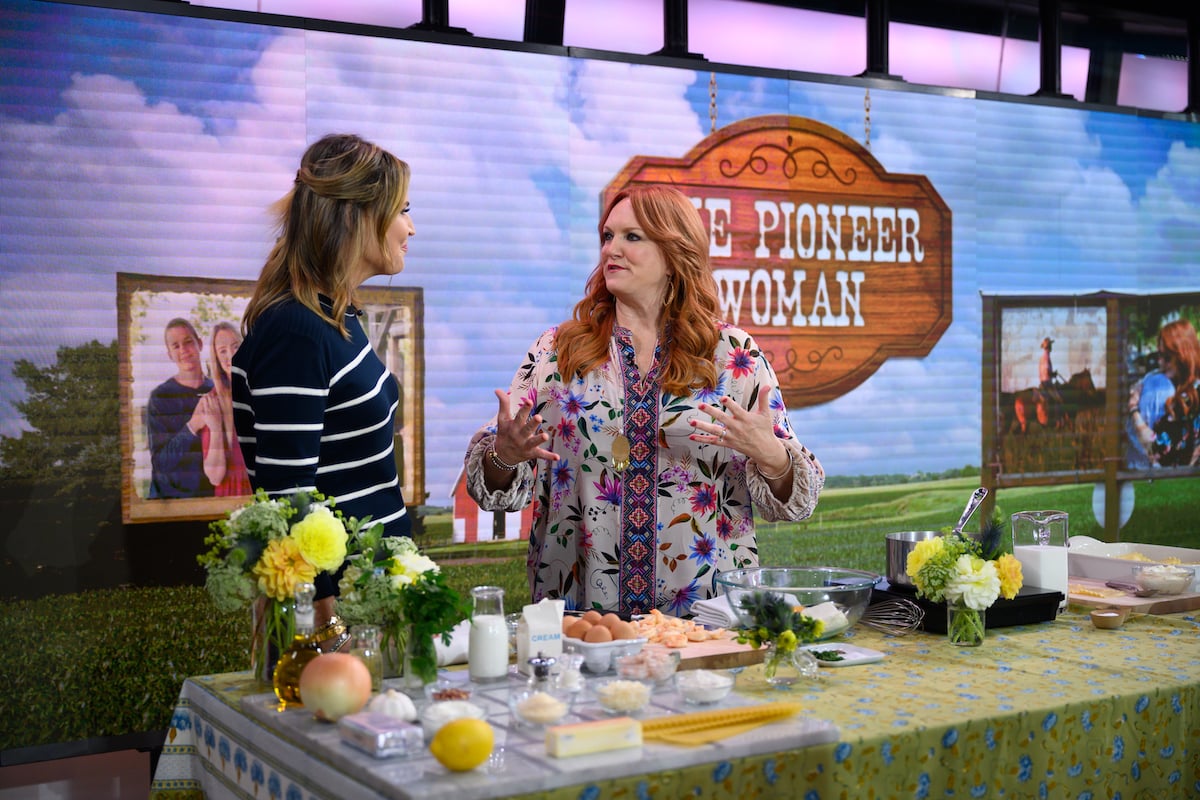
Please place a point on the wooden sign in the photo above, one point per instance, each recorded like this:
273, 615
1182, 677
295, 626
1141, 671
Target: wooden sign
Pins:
830, 262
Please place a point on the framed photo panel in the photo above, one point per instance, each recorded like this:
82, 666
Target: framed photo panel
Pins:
175, 339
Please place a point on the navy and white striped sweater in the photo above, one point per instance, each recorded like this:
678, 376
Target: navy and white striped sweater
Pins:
315, 411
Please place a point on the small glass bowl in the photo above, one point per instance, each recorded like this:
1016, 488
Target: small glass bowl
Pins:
652, 663
444, 689
539, 708
621, 695
436, 715
704, 686
1163, 578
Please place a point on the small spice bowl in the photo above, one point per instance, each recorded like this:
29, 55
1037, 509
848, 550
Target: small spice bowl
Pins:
1109, 618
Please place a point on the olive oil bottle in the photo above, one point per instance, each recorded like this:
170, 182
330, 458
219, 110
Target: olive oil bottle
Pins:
304, 649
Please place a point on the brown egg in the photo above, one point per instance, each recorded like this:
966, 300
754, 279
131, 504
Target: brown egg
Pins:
609, 620
598, 633
623, 630
567, 622
579, 629
593, 616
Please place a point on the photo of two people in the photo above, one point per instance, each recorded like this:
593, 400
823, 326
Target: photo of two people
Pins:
180, 455
194, 450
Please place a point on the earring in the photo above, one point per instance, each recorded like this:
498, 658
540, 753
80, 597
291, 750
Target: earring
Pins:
670, 293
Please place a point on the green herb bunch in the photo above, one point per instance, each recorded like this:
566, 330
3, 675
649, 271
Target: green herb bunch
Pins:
388, 582
776, 621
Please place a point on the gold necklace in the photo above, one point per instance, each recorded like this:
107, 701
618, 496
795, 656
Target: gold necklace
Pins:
620, 453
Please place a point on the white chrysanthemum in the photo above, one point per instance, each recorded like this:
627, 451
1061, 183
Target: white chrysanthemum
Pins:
975, 583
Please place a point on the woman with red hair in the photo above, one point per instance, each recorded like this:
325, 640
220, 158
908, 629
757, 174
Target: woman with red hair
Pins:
647, 432
1174, 438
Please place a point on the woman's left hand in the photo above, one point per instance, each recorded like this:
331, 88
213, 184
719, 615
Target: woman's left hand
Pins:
751, 433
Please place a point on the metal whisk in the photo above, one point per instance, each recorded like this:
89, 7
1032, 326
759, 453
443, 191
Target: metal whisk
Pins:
898, 616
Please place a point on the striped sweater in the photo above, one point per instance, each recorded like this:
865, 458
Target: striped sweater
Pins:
315, 412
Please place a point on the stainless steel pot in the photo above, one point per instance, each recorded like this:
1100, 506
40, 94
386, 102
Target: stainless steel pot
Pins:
899, 545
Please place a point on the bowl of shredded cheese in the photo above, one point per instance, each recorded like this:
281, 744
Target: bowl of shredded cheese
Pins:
1164, 578
621, 695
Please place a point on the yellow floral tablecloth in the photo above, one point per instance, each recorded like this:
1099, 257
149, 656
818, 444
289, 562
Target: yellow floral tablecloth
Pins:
1053, 710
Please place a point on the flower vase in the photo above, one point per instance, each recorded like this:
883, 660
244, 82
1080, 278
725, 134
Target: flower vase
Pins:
965, 626
273, 627
783, 668
400, 646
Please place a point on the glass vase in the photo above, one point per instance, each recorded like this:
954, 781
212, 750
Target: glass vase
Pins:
406, 659
965, 626
273, 626
782, 669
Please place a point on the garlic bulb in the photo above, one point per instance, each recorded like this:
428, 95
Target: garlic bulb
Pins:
394, 704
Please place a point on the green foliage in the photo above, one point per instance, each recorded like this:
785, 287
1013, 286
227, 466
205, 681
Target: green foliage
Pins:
108, 663
776, 621
73, 407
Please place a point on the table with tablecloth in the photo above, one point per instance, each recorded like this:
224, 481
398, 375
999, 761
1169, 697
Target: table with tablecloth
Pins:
1056, 709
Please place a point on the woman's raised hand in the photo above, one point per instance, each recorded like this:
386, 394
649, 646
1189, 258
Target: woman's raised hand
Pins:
751, 433
519, 438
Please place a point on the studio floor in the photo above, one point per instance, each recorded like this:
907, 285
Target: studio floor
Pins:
123, 775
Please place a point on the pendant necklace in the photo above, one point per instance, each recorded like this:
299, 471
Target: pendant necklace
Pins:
620, 453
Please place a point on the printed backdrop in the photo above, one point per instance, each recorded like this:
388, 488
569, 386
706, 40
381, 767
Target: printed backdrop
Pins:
134, 142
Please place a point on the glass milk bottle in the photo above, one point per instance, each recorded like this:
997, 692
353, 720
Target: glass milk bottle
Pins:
487, 648
1040, 544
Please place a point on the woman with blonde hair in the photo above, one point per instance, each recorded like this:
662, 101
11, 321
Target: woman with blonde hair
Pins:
313, 404
647, 433
1172, 438
223, 462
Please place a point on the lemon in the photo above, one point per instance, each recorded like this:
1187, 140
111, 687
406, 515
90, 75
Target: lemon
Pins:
462, 744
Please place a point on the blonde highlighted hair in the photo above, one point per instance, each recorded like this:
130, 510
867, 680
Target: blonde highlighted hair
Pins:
689, 319
346, 195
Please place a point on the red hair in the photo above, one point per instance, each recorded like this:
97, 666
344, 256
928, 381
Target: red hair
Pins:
1178, 339
668, 219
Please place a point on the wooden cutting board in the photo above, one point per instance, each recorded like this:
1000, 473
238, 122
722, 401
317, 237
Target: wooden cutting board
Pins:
1168, 604
719, 654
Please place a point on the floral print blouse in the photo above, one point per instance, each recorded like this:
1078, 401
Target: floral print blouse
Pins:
656, 534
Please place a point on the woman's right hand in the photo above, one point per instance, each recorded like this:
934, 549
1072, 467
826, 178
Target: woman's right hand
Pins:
519, 438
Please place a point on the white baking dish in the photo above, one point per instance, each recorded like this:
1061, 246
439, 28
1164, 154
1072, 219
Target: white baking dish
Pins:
1114, 561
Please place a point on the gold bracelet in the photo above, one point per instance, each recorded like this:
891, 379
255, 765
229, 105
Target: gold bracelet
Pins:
780, 475
500, 462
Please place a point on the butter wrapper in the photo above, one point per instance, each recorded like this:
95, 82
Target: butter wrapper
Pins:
380, 735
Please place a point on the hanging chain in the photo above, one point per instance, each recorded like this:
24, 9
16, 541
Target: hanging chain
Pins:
867, 118
712, 102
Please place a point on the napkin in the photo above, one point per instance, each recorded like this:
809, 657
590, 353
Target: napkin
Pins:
456, 651
718, 612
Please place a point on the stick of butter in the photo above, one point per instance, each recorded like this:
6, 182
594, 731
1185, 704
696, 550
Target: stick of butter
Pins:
829, 614
582, 738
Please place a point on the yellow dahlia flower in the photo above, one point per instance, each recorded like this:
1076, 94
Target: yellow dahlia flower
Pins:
281, 567
1011, 578
924, 550
321, 538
